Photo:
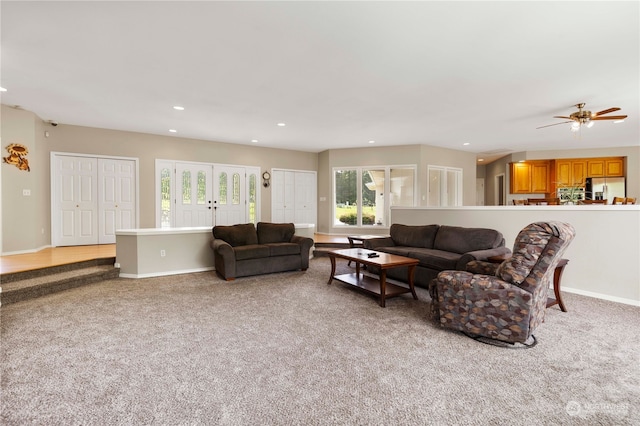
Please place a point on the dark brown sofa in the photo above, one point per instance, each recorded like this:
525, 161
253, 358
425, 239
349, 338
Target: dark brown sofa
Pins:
438, 248
243, 250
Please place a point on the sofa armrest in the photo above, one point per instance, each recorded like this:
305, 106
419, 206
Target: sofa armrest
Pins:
461, 265
373, 243
224, 258
305, 246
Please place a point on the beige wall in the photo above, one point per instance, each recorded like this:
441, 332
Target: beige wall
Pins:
24, 227
26, 220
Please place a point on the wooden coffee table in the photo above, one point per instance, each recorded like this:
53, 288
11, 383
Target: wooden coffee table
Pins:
376, 286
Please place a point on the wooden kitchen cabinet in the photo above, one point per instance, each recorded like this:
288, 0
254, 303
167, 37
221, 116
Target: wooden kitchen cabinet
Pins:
531, 177
605, 167
595, 167
614, 167
571, 172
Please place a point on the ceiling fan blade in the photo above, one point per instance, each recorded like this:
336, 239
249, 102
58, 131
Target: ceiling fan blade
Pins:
549, 125
562, 116
606, 111
610, 117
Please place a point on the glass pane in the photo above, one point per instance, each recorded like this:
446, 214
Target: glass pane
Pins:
434, 190
252, 198
451, 188
402, 187
236, 189
222, 188
165, 198
202, 187
373, 197
346, 193
186, 187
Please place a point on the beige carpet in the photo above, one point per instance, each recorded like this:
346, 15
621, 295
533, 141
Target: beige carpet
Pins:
286, 349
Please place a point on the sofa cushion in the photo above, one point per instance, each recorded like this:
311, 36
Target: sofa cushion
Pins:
413, 235
283, 249
435, 259
237, 235
251, 251
457, 239
275, 232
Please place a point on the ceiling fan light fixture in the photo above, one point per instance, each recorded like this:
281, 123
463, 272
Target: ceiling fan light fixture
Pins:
575, 126
618, 121
590, 124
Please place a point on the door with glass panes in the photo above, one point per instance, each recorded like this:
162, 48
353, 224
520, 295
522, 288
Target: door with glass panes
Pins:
229, 203
194, 203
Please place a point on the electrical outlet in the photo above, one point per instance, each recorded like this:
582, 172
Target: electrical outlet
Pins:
163, 253
26, 192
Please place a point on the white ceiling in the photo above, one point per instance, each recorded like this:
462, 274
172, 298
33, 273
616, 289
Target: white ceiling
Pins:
339, 74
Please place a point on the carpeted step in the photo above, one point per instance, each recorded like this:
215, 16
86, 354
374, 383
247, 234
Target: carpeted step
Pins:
32, 284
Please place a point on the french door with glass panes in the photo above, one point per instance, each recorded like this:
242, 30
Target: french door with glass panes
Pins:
205, 194
194, 203
230, 195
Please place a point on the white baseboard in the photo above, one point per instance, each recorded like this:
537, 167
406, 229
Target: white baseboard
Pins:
11, 253
602, 296
166, 273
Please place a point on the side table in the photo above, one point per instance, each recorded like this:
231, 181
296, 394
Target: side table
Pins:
557, 275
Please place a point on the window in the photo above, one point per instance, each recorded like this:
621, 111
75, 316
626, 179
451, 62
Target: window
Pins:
202, 187
236, 189
364, 196
186, 187
165, 197
252, 198
222, 188
444, 187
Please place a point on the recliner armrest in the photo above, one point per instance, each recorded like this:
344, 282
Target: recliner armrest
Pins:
482, 267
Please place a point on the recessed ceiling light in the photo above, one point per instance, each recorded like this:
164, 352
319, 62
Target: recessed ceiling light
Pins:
179, 108
254, 140
466, 143
480, 159
281, 124
172, 130
372, 141
2, 89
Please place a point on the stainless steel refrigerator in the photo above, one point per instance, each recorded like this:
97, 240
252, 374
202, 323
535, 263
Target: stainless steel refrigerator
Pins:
605, 188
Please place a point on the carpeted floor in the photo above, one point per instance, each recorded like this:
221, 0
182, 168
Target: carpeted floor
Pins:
286, 349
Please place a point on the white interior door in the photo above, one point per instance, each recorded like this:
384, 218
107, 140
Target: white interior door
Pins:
194, 206
229, 203
116, 195
75, 206
305, 197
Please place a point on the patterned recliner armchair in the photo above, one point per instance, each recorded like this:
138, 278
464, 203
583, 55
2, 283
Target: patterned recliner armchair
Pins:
504, 302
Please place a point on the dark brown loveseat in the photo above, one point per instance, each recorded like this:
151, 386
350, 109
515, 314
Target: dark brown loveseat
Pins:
243, 250
438, 248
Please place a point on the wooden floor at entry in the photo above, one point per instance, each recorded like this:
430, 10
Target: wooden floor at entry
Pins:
63, 255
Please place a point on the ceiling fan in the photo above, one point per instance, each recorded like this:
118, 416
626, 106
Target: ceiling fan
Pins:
580, 117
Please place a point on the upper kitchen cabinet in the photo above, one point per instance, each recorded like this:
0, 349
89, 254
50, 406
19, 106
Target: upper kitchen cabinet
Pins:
531, 177
605, 167
571, 172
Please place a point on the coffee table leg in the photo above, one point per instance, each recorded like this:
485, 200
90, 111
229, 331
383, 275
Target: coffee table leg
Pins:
333, 268
383, 286
412, 270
